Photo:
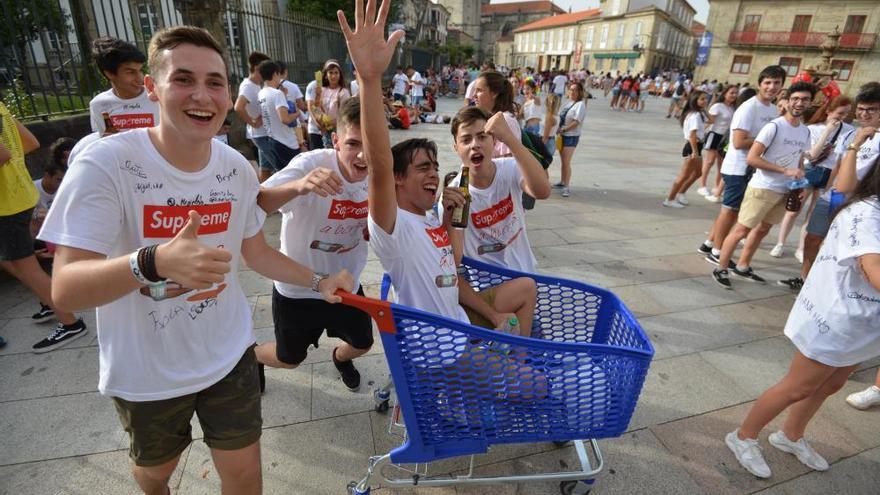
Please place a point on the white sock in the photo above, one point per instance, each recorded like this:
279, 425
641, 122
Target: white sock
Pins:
741, 268
708, 243
716, 252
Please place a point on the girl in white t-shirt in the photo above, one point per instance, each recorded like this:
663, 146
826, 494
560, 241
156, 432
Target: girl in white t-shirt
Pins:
720, 115
494, 93
532, 110
571, 121
693, 122
833, 325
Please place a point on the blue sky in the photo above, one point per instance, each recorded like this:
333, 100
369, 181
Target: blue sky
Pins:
702, 6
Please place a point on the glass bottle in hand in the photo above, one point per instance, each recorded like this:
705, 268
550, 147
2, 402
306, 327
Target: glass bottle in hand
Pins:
460, 213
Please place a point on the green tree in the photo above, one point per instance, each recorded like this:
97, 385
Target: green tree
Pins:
24, 21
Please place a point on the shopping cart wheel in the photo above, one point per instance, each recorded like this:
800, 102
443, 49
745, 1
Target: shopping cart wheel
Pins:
382, 407
572, 487
353, 490
560, 443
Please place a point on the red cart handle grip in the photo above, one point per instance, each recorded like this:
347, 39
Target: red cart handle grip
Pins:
378, 310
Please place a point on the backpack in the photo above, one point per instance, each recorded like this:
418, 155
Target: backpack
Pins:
679, 90
536, 147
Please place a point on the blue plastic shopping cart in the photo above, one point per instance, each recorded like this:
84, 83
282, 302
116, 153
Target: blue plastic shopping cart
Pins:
461, 388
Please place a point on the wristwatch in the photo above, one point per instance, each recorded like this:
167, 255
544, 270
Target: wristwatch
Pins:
852, 146
316, 280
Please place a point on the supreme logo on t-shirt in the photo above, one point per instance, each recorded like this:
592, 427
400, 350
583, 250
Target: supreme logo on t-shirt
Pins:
166, 221
132, 120
493, 214
439, 236
342, 209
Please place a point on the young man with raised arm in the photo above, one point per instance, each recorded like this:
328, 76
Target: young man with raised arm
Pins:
151, 227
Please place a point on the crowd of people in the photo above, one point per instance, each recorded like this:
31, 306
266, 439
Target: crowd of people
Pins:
150, 216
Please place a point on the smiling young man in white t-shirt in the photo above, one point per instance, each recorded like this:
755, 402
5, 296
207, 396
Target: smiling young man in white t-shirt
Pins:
777, 155
126, 101
496, 230
322, 195
151, 227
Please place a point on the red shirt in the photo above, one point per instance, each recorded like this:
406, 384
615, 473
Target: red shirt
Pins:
403, 115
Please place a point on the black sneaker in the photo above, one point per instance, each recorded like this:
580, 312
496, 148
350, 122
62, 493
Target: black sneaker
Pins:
794, 283
748, 274
261, 370
704, 249
61, 336
711, 258
43, 315
350, 375
722, 277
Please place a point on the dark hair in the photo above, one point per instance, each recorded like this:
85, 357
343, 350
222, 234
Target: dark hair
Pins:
691, 106
869, 93
502, 88
580, 88
268, 69
719, 95
57, 150
349, 113
171, 38
772, 72
325, 81
282, 66
109, 53
404, 151
467, 116
255, 58
802, 86
821, 115
745, 96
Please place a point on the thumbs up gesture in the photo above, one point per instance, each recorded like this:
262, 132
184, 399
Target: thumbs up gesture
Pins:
189, 262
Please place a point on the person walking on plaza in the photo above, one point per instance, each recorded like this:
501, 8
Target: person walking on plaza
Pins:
832, 330
416, 86
693, 123
152, 226
247, 107
748, 119
18, 198
571, 120
279, 118
777, 155
126, 102
720, 115
324, 98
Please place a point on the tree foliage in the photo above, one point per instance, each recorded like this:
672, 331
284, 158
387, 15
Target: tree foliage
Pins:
24, 20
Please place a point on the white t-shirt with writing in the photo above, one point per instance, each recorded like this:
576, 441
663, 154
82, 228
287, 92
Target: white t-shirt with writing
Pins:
400, 81
751, 116
835, 318
722, 115
785, 145
133, 113
251, 92
496, 231
866, 156
46, 199
324, 234
418, 255
573, 111
694, 122
271, 100
121, 195
417, 84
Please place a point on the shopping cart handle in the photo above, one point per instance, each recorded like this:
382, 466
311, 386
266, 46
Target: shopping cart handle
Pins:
378, 310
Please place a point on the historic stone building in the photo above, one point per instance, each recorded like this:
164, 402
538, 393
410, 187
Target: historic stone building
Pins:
621, 35
464, 19
749, 35
498, 20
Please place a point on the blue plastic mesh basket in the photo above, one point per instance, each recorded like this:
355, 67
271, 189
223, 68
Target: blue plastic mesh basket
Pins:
462, 388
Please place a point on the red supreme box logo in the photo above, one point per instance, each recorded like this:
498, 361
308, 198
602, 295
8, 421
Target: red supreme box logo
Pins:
439, 236
166, 221
132, 120
345, 209
493, 214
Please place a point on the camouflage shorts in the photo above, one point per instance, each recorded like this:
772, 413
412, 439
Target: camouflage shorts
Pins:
228, 411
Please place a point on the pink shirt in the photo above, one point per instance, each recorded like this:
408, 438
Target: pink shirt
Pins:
501, 149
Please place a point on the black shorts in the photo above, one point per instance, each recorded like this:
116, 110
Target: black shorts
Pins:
15, 236
715, 141
686, 152
300, 323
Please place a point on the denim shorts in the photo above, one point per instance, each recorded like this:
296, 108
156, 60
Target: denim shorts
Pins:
570, 141
734, 190
266, 154
820, 219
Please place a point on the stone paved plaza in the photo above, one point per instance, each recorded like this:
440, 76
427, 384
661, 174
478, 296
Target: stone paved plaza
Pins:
716, 351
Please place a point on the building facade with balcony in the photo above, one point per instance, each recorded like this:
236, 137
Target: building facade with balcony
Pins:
748, 35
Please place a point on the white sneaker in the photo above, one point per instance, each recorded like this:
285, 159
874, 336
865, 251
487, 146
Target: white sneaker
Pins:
801, 449
703, 191
799, 255
865, 399
712, 198
777, 250
682, 199
749, 455
672, 204
565, 192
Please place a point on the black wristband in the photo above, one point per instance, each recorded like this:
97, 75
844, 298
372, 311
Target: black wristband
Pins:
149, 268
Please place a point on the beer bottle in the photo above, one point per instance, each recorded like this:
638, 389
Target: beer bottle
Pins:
460, 213
109, 128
